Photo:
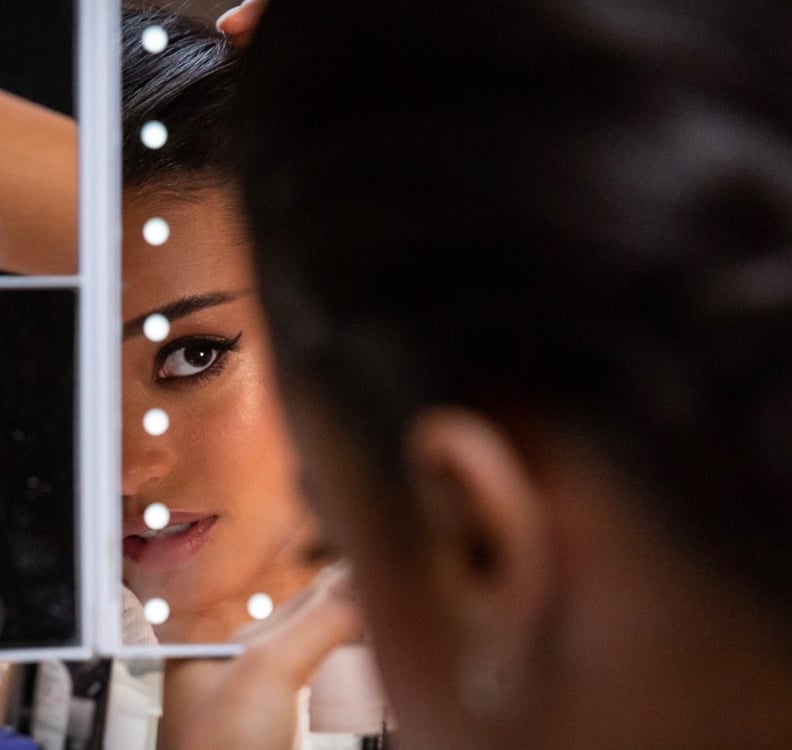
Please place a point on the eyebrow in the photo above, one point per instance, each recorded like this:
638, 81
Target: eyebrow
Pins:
178, 309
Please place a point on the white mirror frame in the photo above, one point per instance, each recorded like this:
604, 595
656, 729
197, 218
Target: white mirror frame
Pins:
97, 369
98, 87
100, 255
98, 413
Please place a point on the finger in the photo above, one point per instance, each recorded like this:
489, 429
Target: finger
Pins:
228, 704
241, 21
279, 658
242, 40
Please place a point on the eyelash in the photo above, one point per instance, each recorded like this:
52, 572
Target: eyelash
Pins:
219, 344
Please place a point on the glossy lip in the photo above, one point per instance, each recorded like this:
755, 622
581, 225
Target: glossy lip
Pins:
165, 552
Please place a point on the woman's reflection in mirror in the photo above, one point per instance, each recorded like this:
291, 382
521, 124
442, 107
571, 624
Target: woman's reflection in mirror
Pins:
224, 468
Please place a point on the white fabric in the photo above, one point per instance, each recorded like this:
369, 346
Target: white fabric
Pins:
135, 629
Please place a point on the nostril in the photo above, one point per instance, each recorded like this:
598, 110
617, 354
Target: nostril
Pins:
138, 481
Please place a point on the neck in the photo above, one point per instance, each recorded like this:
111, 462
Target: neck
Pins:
215, 624
654, 651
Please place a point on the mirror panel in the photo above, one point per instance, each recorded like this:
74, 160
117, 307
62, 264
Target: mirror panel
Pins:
38, 139
215, 531
41, 595
228, 475
38, 572
36, 56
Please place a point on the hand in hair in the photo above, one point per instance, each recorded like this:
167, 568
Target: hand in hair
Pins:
235, 703
240, 22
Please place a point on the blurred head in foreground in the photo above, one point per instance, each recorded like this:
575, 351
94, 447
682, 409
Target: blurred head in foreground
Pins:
529, 273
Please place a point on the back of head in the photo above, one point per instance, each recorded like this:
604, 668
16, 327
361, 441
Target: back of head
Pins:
582, 210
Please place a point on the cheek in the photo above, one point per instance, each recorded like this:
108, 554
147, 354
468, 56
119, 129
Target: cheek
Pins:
254, 423
237, 438
235, 434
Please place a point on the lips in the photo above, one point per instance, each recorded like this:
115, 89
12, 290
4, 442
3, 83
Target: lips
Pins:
171, 547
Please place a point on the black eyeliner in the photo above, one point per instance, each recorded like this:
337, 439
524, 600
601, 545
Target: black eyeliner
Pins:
220, 344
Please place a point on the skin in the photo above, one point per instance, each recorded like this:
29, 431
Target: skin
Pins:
36, 141
226, 452
240, 22
285, 649
603, 631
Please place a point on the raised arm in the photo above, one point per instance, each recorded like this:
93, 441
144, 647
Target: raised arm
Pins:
38, 189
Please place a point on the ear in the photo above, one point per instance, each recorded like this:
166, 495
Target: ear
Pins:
490, 528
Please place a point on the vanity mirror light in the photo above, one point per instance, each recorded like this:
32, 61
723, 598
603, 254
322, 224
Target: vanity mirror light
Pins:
215, 532
163, 463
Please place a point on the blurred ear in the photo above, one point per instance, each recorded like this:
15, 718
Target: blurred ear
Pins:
489, 529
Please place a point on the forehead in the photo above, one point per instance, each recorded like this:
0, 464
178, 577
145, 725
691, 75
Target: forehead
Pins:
206, 250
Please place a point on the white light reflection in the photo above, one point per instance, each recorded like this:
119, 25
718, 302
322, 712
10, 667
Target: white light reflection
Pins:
155, 422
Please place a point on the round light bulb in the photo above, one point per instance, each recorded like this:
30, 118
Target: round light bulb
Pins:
156, 516
156, 327
156, 422
260, 606
156, 231
156, 611
154, 39
154, 134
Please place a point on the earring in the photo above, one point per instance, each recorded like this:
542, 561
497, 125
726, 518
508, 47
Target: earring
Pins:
486, 684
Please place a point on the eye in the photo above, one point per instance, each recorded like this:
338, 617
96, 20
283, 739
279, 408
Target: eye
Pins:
194, 356
189, 360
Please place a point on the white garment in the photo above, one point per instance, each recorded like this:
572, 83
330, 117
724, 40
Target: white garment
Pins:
135, 629
134, 707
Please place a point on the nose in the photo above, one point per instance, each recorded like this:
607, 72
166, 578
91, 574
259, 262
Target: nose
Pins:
147, 460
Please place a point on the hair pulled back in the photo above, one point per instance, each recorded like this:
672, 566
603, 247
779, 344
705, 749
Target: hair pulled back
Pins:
188, 87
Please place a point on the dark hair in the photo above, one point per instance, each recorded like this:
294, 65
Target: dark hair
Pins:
187, 87
577, 210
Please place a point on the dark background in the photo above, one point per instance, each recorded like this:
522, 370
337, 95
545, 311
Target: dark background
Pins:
37, 381
37, 468
37, 50
37, 365
209, 9
37, 46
